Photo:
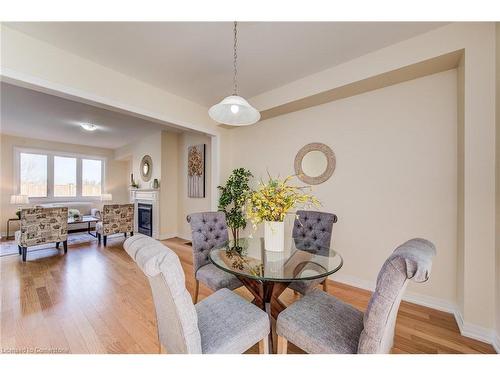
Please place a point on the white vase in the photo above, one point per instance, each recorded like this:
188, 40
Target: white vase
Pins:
274, 235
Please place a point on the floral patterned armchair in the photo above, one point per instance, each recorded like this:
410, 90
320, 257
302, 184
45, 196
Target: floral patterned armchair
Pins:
116, 218
40, 226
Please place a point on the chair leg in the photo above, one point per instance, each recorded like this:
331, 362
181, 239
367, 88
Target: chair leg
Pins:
264, 346
131, 234
20, 250
325, 289
99, 238
104, 238
57, 245
196, 290
65, 246
125, 234
25, 250
282, 345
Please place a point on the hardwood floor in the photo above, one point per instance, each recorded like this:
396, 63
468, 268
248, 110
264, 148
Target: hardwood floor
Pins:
95, 300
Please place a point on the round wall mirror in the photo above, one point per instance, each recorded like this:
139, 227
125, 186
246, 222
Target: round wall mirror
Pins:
315, 163
146, 168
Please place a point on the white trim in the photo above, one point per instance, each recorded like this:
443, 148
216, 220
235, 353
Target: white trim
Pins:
470, 330
431, 302
166, 236
496, 342
473, 331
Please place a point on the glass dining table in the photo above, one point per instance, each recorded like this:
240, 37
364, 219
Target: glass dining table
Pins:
266, 274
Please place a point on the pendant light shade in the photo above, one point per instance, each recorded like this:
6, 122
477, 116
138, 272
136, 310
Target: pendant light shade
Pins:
234, 110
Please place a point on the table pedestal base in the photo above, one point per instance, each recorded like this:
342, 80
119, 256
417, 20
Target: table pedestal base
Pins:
266, 296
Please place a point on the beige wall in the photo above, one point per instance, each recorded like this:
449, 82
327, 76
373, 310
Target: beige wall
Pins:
150, 145
396, 171
476, 184
169, 185
116, 178
498, 185
169, 153
162, 146
189, 205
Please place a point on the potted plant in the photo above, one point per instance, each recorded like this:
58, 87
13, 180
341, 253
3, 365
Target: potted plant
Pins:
232, 200
271, 202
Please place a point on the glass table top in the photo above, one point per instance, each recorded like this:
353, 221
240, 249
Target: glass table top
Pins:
296, 262
83, 219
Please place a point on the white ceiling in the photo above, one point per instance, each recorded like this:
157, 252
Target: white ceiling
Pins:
33, 114
194, 59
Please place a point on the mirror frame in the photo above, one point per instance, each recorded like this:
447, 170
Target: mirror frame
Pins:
331, 162
146, 159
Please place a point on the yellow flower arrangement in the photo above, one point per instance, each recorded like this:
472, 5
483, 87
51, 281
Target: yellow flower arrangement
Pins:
272, 200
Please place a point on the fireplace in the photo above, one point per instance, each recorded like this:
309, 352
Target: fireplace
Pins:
145, 219
148, 201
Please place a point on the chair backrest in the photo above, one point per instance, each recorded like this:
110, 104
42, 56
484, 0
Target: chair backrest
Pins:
43, 225
313, 229
208, 229
117, 218
410, 261
175, 313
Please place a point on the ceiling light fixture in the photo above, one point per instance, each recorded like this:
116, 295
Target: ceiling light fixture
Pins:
88, 127
234, 110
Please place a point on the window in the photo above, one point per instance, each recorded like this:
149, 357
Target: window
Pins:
33, 175
91, 177
57, 175
64, 177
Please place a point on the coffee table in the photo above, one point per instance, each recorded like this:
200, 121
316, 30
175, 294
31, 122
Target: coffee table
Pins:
85, 219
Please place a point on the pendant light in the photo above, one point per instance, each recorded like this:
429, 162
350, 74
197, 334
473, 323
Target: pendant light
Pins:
234, 110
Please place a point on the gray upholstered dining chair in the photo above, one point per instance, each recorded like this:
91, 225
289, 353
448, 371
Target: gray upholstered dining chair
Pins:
320, 323
209, 229
312, 230
222, 323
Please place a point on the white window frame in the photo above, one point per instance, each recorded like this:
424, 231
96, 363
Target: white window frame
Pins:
50, 174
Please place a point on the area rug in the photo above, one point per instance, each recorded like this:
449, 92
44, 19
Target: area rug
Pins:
10, 247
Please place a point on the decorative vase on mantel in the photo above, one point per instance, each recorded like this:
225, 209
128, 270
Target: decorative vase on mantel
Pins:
274, 235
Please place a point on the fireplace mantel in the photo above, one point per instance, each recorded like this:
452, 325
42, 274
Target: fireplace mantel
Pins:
147, 196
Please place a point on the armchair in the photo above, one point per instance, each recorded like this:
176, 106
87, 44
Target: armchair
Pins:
40, 226
116, 218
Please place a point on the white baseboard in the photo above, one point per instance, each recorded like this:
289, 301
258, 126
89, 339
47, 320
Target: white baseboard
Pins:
166, 236
496, 342
354, 281
476, 332
466, 329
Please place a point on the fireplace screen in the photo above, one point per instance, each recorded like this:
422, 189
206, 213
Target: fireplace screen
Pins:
145, 219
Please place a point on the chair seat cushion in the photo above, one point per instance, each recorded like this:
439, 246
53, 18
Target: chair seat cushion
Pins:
321, 324
230, 324
305, 286
216, 279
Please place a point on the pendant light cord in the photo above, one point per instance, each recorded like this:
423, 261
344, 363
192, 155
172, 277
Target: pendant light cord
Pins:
235, 57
